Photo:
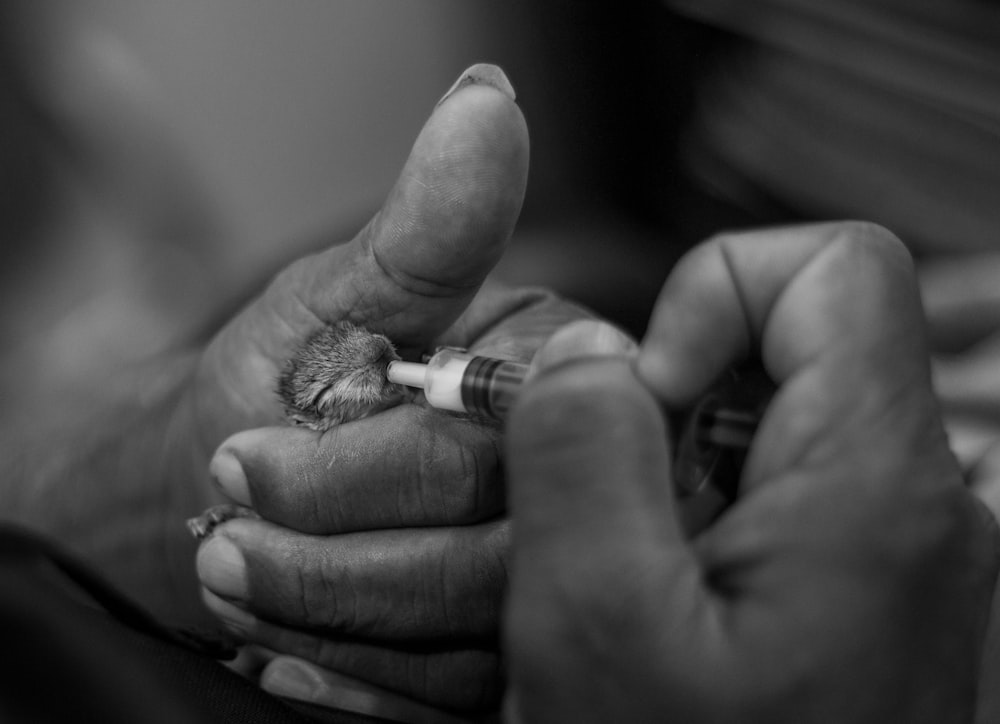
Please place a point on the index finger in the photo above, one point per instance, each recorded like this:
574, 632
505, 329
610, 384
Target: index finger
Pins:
834, 313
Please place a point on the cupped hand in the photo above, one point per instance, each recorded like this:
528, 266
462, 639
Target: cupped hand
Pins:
409, 273
381, 550
851, 580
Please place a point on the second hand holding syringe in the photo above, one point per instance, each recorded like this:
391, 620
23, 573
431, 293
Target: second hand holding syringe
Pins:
711, 440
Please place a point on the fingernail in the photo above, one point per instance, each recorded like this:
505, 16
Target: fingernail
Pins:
583, 338
481, 74
287, 678
222, 568
228, 474
234, 618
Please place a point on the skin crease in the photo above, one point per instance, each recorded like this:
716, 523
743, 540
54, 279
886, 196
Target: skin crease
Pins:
381, 552
852, 579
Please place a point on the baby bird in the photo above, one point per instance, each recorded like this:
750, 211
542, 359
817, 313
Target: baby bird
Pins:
338, 375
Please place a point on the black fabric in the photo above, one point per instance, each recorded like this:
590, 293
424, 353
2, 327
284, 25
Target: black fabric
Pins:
75, 650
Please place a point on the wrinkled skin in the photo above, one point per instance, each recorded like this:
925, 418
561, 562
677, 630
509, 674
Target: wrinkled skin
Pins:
851, 581
381, 553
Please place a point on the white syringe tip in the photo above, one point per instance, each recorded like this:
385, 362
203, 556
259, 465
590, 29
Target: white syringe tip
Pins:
411, 374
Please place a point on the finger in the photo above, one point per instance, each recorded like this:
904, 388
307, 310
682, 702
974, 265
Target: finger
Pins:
412, 270
511, 323
444, 470
595, 530
971, 437
737, 291
408, 274
593, 438
961, 297
834, 312
983, 477
598, 564
967, 383
250, 661
446, 222
297, 678
413, 584
583, 338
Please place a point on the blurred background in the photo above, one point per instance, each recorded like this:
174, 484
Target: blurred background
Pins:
159, 161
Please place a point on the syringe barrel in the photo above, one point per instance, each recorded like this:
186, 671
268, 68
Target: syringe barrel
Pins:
489, 385
468, 383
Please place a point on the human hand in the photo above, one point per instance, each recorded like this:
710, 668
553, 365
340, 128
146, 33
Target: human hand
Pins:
850, 581
382, 549
381, 553
408, 274
961, 295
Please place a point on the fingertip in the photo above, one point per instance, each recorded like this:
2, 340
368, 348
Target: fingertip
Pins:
697, 329
578, 410
221, 567
249, 457
587, 453
471, 157
449, 217
583, 338
469, 162
228, 474
582, 383
294, 678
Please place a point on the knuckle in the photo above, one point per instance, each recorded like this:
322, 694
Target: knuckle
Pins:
472, 578
473, 491
458, 473
872, 244
328, 597
487, 576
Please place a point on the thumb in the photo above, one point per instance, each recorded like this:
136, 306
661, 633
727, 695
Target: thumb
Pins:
588, 459
417, 264
410, 272
587, 446
596, 542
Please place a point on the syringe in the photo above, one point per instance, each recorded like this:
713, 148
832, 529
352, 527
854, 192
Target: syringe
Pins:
455, 380
711, 440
